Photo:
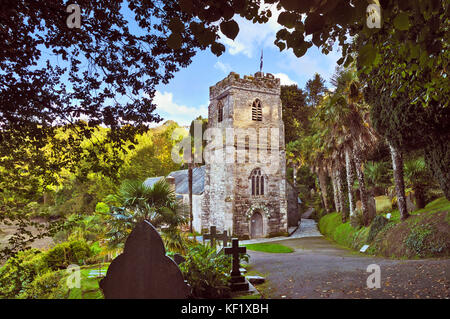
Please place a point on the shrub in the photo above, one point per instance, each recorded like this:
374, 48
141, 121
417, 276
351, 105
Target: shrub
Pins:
19, 271
102, 208
207, 272
378, 224
43, 286
64, 254
329, 222
358, 219
416, 240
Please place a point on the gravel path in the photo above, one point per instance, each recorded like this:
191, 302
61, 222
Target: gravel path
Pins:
320, 269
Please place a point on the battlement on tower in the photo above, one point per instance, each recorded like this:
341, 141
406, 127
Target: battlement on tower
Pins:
267, 82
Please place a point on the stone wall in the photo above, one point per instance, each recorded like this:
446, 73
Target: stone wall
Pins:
228, 200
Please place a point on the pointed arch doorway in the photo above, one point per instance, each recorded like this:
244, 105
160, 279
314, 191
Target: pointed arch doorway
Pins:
256, 225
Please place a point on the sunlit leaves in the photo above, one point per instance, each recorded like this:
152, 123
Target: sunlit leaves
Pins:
367, 55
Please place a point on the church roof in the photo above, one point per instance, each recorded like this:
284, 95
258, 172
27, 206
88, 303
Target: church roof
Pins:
181, 180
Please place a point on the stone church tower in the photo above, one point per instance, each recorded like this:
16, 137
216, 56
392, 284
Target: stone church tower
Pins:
246, 195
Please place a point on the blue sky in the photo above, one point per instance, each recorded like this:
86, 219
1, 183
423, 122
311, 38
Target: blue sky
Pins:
187, 94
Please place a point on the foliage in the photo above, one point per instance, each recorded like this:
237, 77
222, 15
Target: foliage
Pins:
425, 234
416, 240
270, 248
173, 240
378, 224
19, 271
315, 89
152, 155
67, 253
102, 208
32, 271
81, 227
207, 272
378, 174
107, 77
157, 204
43, 286
295, 113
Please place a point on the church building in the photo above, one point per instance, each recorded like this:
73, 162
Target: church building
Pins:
248, 196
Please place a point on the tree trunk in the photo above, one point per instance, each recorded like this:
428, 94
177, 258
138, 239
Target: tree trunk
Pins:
341, 198
323, 188
362, 187
397, 165
337, 205
191, 215
294, 173
350, 178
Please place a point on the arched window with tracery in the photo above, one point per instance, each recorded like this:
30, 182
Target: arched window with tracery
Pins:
219, 111
257, 110
257, 182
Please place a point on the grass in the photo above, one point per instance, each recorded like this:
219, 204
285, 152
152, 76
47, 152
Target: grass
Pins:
424, 234
270, 248
89, 286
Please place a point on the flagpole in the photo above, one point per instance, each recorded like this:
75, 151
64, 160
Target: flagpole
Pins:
261, 63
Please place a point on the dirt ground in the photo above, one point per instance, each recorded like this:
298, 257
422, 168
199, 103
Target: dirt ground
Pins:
319, 268
6, 231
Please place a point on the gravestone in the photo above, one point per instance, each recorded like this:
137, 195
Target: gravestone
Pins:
213, 236
372, 206
143, 271
237, 281
178, 259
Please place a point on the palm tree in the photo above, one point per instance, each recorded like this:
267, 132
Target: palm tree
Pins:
399, 179
418, 177
343, 111
138, 202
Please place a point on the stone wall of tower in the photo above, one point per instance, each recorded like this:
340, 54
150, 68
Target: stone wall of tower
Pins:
228, 200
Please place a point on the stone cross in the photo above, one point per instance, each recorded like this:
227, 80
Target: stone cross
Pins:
213, 236
237, 281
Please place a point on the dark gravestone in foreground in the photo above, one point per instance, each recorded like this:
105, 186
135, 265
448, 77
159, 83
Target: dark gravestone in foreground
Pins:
237, 281
143, 270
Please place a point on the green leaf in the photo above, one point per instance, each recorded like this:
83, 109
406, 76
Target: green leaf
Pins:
367, 55
230, 29
401, 22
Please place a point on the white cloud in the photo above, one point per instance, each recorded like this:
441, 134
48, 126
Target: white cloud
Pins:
224, 67
252, 36
309, 64
182, 114
284, 79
